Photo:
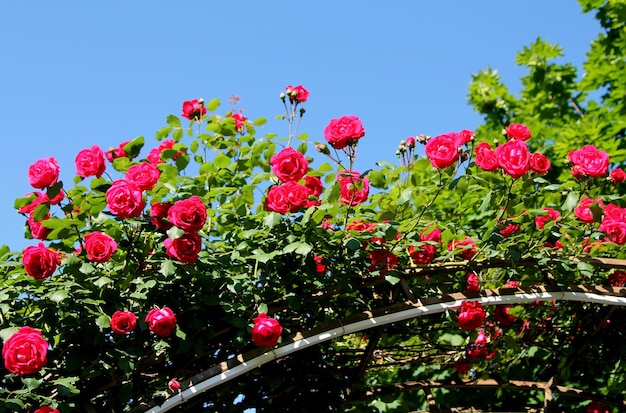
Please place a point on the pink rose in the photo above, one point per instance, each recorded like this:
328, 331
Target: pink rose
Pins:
589, 161
616, 230
123, 322
145, 175
539, 163
46, 409
289, 165
466, 247
99, 246
188, 214
37, 230
518, 132
184, 248
583, 211
266, 331
119, 152
353, 189
124, 199
297, 93
158, 212
288, 197
239, 120
612, 211
471, 282
471, 316
542, 220
617, 176
39, 261
514, 158
43, 173
443, 150
344, 131
90, 162
161, 321
25, 352
193, 109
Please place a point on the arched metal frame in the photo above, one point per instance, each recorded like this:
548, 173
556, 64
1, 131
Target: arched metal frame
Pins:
242, 364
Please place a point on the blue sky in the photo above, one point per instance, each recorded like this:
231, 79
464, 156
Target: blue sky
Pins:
78, 73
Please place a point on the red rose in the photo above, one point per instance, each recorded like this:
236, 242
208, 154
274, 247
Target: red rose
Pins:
154, 156
514, 158
360, 226
597, 407
43, 173
37, 230
432, 235
123, 322
266, 331
25, 352
410, 142
119, 152
145, 175
173, 385
617, 176
289, 165
612, 211
320, 268
443, 150
518, 132
124, 199
465, 136
184, 248
39, 261
239, 120
314, 184
539, 163
471, 316
158, 212
542, 220
462, 367
46, 409
502, 316
288, 197
466, 247
509, 230
193, 109
90, 162
297, 93
617, 279
486, 159
99, 246
344, 131
479, 349
353, 188
188, 214
161, 321
583, 211
589, 161
423, 254
471, 282
382, 261
616, 230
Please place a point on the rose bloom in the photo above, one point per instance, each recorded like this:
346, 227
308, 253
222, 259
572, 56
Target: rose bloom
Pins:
583, 211
617, 176
617, 279
486, 159
518, 132
173, 385
288, 197
289, 165
314, 184
46, 409
343, 131
597, 407
145, 175
479, 349
509, 230
37, 230
465, 136
612, 211
432, 235
123, 322
161, 321
466, 247
43, 173
239, 120
471, 316
542, 220
158, 212
39, 261
539, 163
124, 199
502, 316
590, 161
514, 158
471, 282
154, 156
320, 268
423, 254
119, 152
443, 150
462, 367
185, 248
353, 189
360, 226
99, 246
266, 331
410, 142
25, 352
616, 230
90, 162
382, 260
188, 214
297, 93
193, 109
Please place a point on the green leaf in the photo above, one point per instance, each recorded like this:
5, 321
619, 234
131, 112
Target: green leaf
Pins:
31, 383
167, 268
87, 268
41, 211
221, 161
102, 281
175, 233
212, 105
272, 219
173, 121
5, 333
352, 244
259, 122
65, 385
486, 201
571, 201
58, 295
452, 339
104, 321
133, 147
262, 308
405, 196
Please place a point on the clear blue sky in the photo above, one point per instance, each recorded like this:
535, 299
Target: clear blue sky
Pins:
78, 73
